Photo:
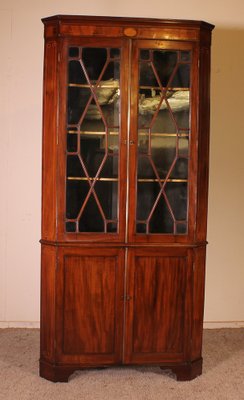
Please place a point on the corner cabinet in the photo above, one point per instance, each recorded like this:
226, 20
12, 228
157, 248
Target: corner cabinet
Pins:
124, 200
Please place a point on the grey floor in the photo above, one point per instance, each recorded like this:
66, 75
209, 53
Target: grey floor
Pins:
222, 378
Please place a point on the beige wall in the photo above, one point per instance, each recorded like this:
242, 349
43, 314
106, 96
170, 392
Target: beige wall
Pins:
21, 44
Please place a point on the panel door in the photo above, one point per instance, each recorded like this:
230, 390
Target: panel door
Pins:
90, 286
163, 141
158, 305
93, 130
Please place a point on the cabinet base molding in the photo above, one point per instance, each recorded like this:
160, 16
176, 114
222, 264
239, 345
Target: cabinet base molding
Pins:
55, 373
186, 371
61, 373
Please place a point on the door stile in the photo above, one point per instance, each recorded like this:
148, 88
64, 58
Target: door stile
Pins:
124, 158
128, 307
132, 140
127, 90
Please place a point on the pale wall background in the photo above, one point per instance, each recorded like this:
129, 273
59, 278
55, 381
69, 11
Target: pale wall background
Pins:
21, 47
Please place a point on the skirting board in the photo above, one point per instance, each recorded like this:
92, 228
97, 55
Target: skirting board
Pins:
206, 325
223, 324
20, 324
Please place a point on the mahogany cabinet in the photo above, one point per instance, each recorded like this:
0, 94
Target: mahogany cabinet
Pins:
124, 193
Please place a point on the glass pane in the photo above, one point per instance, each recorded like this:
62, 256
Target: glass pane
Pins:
112, 227
181, 228
144, 54
113, 140
177, 196
144, 118
163, 153
147, 193
73, 51
92, 150
94, 60
92, 122
145, 169
77, 101
185, 56
183, 146
76, 73
163, 141
164, 63
164, 123
178, 100
181, 79
76, 192
91, 219
93, 132
141, 228
182, 119
72, 142
161, 221
143, 141
180, 170
110, 168
70, 226
114, 53
74, 167
147, 76
107, 193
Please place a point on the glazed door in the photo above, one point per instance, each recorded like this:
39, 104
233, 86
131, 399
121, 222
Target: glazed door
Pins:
90, 305
162, 141
158, 305
94, 119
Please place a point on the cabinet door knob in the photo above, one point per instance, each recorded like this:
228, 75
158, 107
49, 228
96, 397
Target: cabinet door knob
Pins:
126, 297
132, 142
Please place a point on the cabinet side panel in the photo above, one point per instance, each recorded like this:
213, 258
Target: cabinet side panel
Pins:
49, 142
203, 144
48, 302
198, 302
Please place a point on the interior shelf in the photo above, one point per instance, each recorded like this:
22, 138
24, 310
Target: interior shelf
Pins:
166, 134
144, 180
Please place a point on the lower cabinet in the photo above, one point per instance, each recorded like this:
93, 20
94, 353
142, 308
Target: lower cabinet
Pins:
112, 306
